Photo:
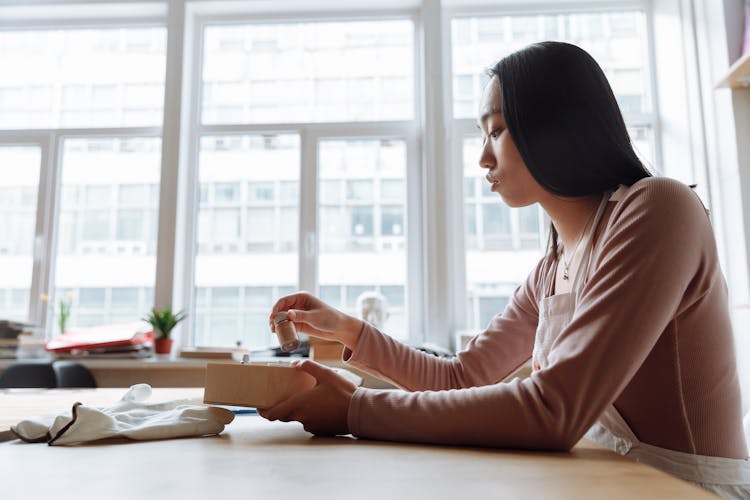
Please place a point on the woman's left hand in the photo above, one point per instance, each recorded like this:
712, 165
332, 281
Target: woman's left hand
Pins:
323, 409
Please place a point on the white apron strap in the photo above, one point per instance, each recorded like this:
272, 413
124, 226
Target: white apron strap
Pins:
729, 477
611, 431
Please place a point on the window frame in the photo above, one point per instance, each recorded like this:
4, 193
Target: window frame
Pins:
85, 14
436, 294
310, 134
41, 250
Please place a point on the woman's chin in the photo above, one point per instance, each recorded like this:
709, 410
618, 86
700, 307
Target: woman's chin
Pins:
515, 201
508, 199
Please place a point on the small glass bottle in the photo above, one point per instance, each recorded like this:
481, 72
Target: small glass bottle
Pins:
285, 331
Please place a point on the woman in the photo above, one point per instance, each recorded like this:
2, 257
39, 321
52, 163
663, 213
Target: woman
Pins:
625, 318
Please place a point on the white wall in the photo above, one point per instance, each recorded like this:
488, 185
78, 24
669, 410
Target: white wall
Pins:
727, 117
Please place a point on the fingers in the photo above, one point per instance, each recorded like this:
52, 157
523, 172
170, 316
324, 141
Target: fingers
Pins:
300, 300
283, 304
286, 410
312, 321
320, 372
322, 409
299, 316
272, 414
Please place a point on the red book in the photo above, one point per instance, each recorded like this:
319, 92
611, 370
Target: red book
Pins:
97, 337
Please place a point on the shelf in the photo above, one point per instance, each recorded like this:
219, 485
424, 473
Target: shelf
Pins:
738, 76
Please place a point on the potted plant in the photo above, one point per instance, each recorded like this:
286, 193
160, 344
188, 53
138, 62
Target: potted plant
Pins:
163, 322
65, 306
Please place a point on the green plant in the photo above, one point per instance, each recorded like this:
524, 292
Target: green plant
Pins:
65, 303
164, 321
65, 306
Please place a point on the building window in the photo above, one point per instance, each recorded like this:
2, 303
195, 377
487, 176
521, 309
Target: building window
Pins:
352, 175
94, 79
94, 306
19, 182
308, 72
108, 222
91, 77
247, 235
359, 73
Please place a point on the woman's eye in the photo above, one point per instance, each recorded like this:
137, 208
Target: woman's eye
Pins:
496, 133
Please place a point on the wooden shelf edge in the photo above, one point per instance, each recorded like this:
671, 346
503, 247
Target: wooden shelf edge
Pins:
738, 76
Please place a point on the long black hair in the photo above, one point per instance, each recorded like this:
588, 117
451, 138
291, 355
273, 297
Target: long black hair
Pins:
564, 119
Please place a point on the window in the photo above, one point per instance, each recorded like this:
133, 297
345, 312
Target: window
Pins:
614, 39
91, 306
308, 72
108, 218
359, 223
255, 221
247, 235
82, 77
93, 78
503, 244
19, 181
303, 167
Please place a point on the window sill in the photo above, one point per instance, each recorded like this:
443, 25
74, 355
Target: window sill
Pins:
166, 371
158, 371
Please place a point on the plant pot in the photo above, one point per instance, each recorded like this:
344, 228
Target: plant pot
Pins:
162, 346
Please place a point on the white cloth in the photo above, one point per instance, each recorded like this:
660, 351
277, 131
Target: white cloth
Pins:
729, 478
132, 417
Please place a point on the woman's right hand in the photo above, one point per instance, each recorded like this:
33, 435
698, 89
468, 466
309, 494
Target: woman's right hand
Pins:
314, 317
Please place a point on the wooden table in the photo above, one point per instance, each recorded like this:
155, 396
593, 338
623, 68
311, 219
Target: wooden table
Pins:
254, 458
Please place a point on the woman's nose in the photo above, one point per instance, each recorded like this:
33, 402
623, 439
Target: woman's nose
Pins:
486, 158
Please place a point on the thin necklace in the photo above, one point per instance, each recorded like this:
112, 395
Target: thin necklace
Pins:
566, 263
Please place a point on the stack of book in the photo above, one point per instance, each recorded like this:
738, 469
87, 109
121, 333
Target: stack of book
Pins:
9, 332
127, 340
8, 348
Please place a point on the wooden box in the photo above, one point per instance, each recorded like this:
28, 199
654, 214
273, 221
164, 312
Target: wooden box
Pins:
257, 385
325, 349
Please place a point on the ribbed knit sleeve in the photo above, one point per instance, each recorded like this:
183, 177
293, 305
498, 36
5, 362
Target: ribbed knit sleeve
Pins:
488, 358
655, 259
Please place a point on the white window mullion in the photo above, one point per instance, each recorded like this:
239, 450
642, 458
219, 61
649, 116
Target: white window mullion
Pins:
439, 226
188, 190
415, 247
515, 229
308, 210
170, 157
454, 138
49, 207
461, 296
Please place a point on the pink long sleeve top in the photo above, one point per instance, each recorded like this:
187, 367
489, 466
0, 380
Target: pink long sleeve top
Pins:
651, 333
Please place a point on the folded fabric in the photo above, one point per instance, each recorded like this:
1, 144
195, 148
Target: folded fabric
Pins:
132, 417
